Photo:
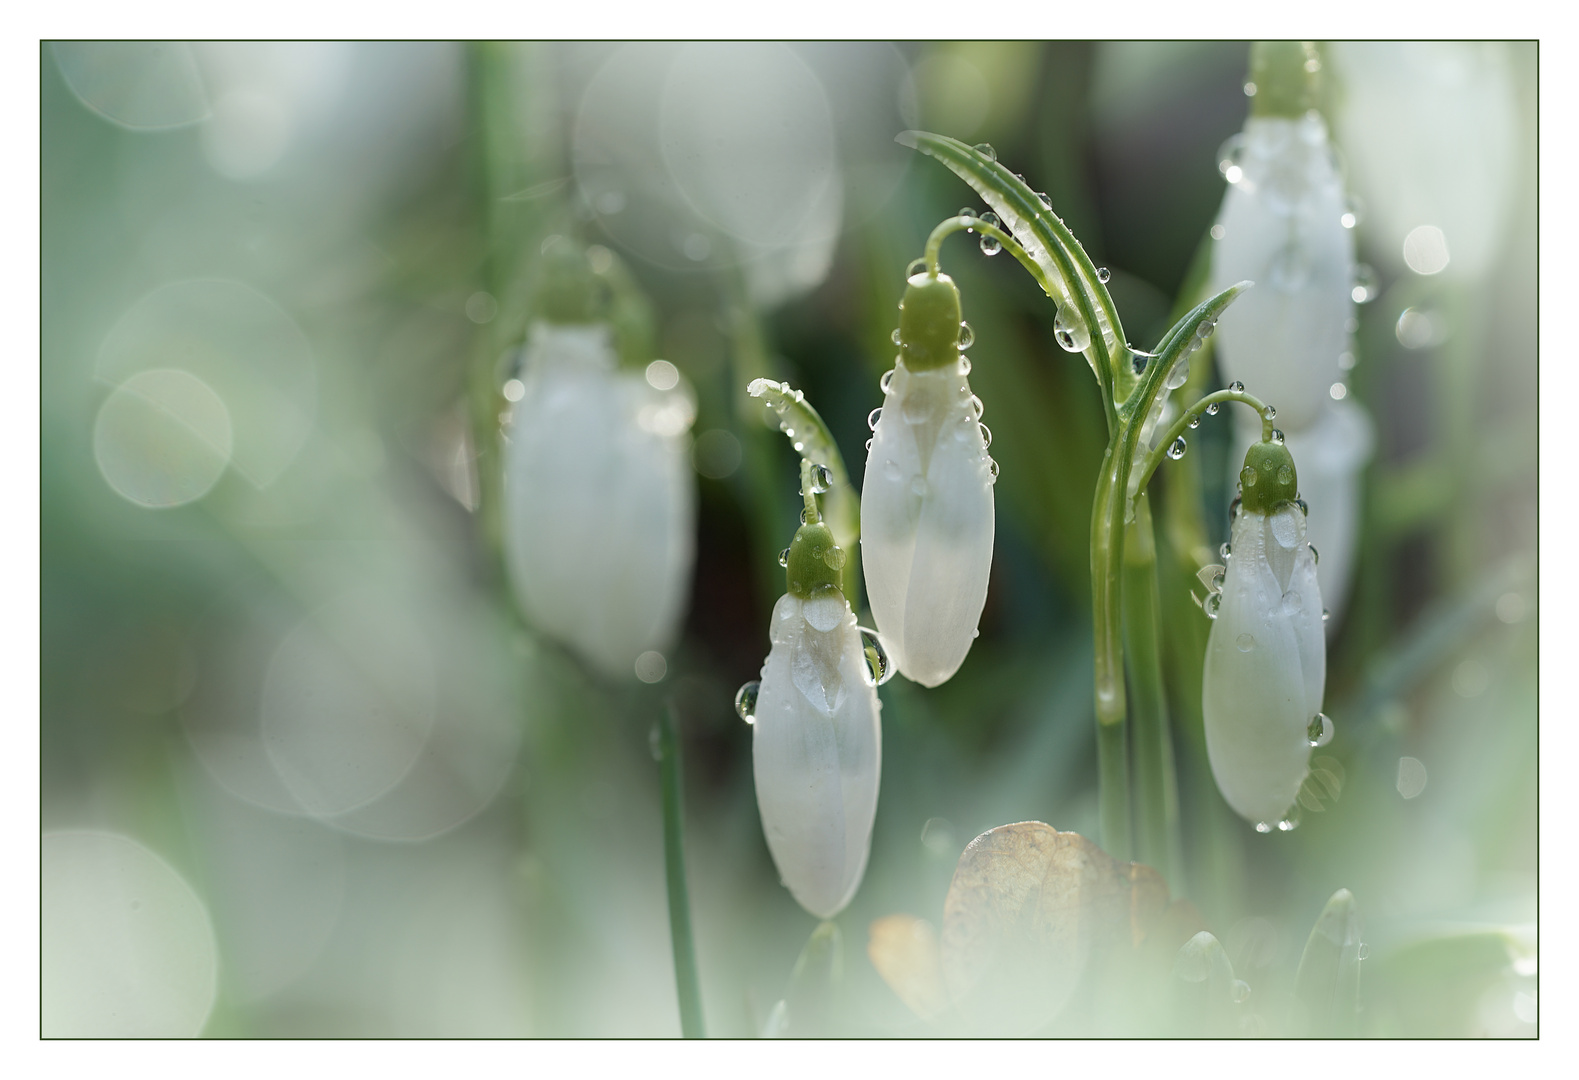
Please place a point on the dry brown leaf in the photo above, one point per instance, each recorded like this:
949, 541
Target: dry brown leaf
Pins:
1029, 912
904, 950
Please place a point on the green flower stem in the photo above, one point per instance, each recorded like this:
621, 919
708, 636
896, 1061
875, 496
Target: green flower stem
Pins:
1113, 788
687, 985
1154, 458
1156, 790
952, 225
815, 445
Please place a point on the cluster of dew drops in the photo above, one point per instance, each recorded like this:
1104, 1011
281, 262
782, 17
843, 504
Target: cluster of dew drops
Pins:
879, 669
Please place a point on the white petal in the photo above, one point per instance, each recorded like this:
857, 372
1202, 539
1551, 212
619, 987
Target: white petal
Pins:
817, 767
599, 498
1282, 229
927, 523
1265, 669
1330, 455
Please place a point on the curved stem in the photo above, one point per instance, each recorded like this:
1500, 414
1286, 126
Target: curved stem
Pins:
952, 225
1179, 426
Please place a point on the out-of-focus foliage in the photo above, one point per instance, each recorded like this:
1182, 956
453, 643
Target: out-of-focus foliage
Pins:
291, 713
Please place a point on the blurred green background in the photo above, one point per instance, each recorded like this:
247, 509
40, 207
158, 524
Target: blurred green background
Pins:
271, 274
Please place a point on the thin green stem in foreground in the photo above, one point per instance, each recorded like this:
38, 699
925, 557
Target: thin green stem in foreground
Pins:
1179, 426
687, 985
1156, 788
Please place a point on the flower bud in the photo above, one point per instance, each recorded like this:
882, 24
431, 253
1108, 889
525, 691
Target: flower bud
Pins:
816, 744
598, 499
926, 501
1266, 658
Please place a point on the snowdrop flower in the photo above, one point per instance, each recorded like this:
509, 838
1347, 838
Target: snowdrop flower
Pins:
816, 744
598, 498
926, 502
1286, 224
1266, 658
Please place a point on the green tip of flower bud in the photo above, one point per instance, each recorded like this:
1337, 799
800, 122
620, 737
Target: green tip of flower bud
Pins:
815, 560
1286, 76
929, 321
1268, 478
566, 288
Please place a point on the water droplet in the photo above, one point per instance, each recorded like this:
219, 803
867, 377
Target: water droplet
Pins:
1269, 414
1195, 422
1139, 362
746, 701
1226, 551
1293, 602
1204, 330
821, 479
1231, 154
1211, 604
873, 416
655, 743
869, 445
1103, 274
891, 469
1240, 991
1326, 615
1176, 451
1211, 410
895, 337
804, 516
976, 406
967, 337
835, 557
879, 669
986, 151
964, 366
992, 470
1041, 197
1290, 821
1263, 827
1247, 477
1246, 642
1366, 286
1285, 475
916, 266
986, 436
784, 555
1363, 952
1304, 507
1179, 375
1320, 729
1216, 584
888, 377
1071, 334
1233, 515
1237, 387
966, 211
1277, 436
799, 446
990, 245
918, 485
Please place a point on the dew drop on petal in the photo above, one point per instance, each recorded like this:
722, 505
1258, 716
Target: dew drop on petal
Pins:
1211, 604
835, 557
1233, 515
1285, 475
967, 337
1320, 729
1315, 556
976, 406
879, 669
746, 701
986, 436
918, 485
824, 608
869, 445
873, 416
1226, 550
1245, 642
1247, 477
891, 469
992, 470
1326, 615
888, 377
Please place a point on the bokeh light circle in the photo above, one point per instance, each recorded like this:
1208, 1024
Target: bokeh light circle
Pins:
142, 85
127, 947
162, 438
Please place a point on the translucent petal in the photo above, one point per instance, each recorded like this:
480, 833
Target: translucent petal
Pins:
599, 498
1282, 229
927, 522
817, 762
1265, 669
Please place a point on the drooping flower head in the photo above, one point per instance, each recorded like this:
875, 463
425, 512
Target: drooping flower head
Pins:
926, 502
816, 743
598, 487
1266, 657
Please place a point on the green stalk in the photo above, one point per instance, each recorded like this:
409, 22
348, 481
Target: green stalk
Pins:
1156, 788
687, 985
